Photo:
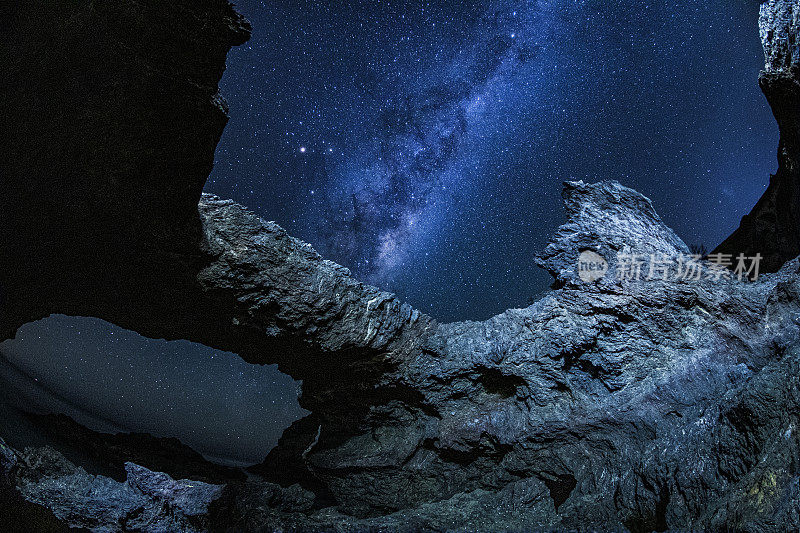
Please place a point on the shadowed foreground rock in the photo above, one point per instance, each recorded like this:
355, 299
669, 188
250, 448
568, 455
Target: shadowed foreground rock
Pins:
110, 452
773, 226
146, 501
618, 404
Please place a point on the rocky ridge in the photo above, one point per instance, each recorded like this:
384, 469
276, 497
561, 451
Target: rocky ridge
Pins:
639, 404
619, 404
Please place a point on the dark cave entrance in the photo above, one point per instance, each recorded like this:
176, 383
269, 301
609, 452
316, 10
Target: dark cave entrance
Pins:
113, 380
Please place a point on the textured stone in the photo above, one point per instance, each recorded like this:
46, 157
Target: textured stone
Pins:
593, 398
581, 411
608, 219
638, 405
147, 501
16, 513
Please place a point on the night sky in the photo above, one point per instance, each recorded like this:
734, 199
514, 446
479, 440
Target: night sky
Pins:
423, 146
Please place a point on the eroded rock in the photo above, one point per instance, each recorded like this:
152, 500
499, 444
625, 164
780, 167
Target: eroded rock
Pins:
146, 501
607, 219
635, 404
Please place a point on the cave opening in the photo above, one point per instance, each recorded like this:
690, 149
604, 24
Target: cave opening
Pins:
111, 380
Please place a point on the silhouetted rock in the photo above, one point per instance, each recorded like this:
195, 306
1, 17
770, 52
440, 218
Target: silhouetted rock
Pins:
773, 226
111, 120
113, 451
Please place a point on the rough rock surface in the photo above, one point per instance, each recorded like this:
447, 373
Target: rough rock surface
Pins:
643, 404
638, 405
16, 513
146, 501
608, 220
773, 226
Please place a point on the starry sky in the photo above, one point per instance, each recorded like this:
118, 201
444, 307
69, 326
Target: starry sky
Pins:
423, 145
114, 380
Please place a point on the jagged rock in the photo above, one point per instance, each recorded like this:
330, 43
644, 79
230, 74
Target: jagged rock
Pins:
280, 292
596, 392
147, 501
773, 226
607, 219
17, 514
642, 405
260, 506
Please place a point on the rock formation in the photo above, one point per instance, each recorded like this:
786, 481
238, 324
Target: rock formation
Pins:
643, 404
773, 226
636, 404
147, 500
608, 220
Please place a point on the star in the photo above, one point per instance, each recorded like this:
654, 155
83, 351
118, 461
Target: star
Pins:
483, 125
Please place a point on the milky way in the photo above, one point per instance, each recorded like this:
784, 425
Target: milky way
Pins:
373, 212
423, 144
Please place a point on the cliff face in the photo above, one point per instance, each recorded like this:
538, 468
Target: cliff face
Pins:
110, 122
636, 404
773, 226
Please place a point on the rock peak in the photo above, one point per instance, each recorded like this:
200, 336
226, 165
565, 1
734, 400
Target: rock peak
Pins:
606, 218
